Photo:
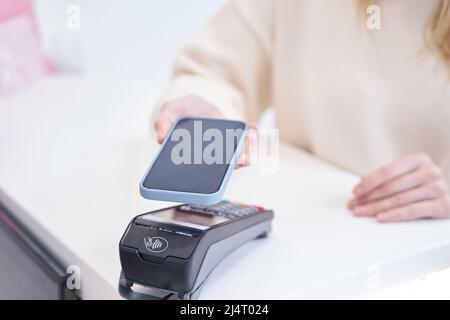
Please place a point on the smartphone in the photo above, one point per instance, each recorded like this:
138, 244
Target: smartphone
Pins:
195, 161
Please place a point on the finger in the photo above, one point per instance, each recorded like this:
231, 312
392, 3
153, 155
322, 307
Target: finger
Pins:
169, 111
390, 171
436, 208
243, 161
432, 190
244, 158
249, 142
253, 126
423, 175
162, 127
252, 138
352, 203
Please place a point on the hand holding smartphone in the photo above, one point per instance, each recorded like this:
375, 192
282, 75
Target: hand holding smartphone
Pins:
195, 161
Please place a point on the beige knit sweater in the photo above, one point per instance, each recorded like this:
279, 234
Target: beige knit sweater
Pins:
353, 96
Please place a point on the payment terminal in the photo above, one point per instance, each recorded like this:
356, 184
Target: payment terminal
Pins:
169, 253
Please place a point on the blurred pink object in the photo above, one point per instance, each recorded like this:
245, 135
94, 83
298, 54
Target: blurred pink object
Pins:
21, 57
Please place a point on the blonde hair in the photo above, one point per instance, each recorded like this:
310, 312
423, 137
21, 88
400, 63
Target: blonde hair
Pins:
438, 31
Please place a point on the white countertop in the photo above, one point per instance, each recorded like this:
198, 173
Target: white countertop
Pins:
72, 152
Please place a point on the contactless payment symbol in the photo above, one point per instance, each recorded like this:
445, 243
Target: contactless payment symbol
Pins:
156, 244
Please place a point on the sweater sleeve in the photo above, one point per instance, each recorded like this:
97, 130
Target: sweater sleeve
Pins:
228, 63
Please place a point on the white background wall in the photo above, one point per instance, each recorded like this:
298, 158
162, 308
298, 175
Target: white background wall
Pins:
137, 38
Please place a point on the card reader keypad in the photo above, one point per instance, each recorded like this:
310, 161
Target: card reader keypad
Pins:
224, 209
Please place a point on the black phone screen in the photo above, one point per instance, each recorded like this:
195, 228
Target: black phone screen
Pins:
195, 156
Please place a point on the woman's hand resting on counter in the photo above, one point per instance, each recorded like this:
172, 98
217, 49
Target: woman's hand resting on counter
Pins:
407, 189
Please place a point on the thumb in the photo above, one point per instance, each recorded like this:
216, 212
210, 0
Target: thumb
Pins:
162, 126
